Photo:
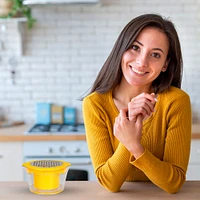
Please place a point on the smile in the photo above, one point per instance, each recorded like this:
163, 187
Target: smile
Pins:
137, 71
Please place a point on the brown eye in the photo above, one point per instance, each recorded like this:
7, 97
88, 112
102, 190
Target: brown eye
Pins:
155, 55
135, 47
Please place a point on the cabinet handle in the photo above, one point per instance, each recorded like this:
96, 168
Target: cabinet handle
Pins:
1, 156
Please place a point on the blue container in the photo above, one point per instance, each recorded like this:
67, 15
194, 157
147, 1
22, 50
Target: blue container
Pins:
43, 113
69, 115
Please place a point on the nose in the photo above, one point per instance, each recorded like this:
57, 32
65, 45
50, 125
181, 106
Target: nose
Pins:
142, 61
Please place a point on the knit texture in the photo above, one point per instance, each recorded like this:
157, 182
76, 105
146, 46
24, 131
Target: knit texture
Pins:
166, 137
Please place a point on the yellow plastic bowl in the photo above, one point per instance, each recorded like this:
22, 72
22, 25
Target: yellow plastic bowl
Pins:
46, 176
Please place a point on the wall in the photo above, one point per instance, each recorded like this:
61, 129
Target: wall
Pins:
68, 45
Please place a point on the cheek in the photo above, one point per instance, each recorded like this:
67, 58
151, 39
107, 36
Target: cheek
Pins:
157, 72
127, 57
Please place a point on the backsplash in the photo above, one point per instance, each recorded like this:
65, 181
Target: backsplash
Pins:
62, 54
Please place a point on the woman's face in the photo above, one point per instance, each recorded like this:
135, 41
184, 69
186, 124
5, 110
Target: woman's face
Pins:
146, 59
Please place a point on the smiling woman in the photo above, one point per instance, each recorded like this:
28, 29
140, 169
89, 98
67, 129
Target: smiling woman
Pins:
137, 117
146, 58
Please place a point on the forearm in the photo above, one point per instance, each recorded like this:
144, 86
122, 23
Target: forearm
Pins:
113, 172
165, 175
109, 157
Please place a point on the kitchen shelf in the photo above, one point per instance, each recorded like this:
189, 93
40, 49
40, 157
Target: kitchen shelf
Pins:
26, 2
18, 19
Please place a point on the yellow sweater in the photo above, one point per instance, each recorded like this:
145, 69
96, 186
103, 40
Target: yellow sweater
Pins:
166, 137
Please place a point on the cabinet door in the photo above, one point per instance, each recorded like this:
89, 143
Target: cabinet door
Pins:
193, 172
11, 161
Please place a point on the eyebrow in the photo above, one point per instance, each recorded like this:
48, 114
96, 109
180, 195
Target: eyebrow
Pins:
153, 48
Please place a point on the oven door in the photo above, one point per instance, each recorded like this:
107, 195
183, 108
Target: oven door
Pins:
81, 167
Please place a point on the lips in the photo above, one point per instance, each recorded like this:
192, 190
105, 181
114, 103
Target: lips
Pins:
137, 71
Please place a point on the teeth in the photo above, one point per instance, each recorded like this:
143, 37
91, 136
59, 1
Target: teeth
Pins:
137, 71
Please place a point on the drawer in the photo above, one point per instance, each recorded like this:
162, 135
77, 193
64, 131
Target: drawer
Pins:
195, 151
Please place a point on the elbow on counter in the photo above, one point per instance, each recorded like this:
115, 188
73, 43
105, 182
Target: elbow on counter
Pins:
173, 183
173, 188
110, 186
113, 188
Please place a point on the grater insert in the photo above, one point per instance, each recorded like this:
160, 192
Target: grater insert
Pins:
46, 163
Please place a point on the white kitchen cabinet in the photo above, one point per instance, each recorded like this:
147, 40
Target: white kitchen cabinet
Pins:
193, 172
11, 158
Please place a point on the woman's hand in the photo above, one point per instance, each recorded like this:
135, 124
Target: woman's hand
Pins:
129, 132
128, 129
142, 104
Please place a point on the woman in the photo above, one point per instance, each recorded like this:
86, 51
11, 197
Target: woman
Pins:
137, 119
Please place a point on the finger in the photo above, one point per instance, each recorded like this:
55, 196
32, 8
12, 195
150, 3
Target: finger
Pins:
145, 103
135, 108
142, 106
132, 115
154, 96
123, 114
151, 97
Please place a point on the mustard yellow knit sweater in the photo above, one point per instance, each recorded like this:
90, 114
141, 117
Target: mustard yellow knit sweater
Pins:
166, 137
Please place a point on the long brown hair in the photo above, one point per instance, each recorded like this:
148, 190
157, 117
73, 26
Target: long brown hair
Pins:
111, 73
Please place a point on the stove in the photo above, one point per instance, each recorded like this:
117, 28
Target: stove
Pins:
74, 151
43, 129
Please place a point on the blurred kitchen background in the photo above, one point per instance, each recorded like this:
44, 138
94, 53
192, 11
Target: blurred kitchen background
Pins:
58, 59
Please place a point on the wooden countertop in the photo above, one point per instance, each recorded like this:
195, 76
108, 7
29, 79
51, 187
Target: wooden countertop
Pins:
17, 134
91, 190
195, 131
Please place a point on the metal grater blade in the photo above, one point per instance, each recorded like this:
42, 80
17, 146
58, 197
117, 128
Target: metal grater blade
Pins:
46, 163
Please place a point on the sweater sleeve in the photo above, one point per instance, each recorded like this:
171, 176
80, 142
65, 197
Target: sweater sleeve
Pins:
111, 167
170, 173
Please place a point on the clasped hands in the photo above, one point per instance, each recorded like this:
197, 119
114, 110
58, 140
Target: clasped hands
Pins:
128, 124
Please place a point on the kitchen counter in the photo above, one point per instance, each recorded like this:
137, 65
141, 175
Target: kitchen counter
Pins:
17, 134
195, 131
92, 190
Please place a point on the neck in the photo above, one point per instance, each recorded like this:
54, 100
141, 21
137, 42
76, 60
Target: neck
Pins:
124, 92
